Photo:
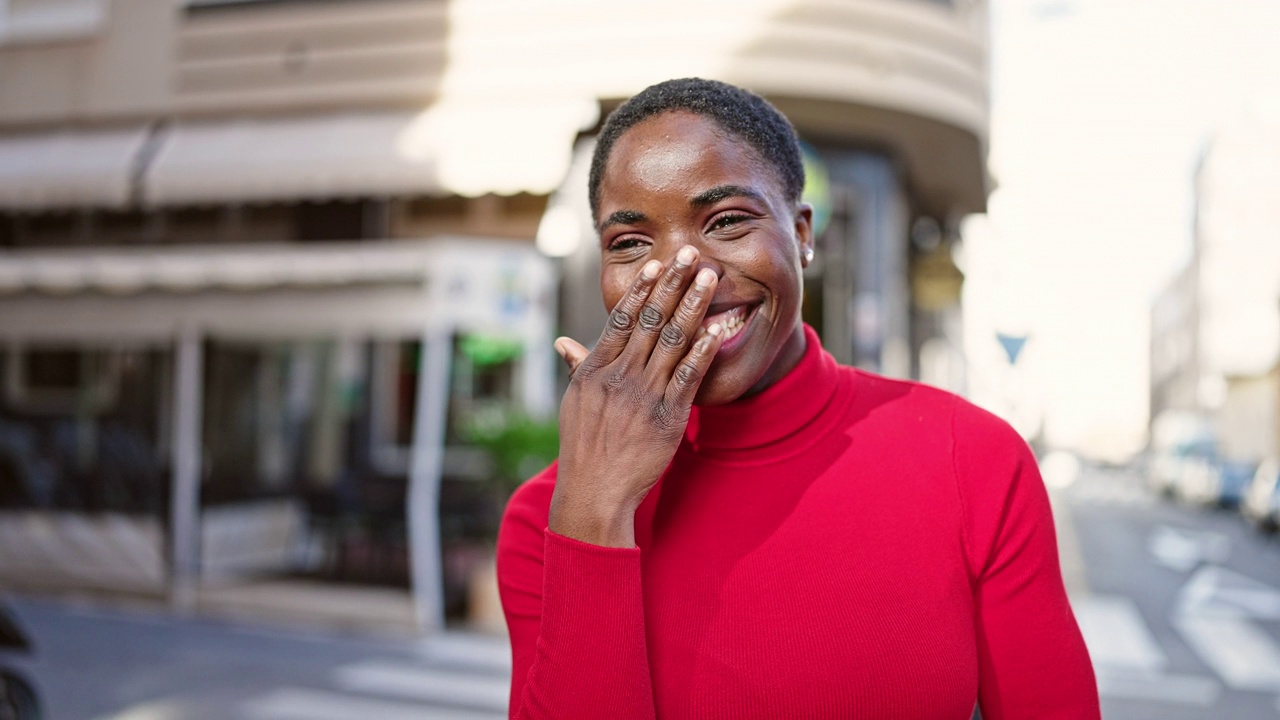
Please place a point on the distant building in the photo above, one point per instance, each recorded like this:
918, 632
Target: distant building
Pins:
237, 308
1215, 329
1175, 343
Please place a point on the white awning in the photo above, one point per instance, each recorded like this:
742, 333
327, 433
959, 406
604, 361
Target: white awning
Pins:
386, 289
69, 168
468, 149
128, 271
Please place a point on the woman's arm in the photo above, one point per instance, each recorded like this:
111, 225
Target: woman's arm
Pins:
1032, 659
568, 567
575, 616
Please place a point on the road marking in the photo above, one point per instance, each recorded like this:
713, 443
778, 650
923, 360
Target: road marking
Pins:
1128, 661
304, 704
1241, 653
470, 651
1182, 550
1215, 613
424, 684
1183, 689
1219, 591
1116, 634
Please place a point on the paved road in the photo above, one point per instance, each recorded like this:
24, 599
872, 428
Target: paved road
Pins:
1180, 606
119, 665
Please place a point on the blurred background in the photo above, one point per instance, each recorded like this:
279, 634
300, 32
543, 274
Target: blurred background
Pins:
279, 280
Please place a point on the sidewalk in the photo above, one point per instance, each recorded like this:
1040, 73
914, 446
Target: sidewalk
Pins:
94, 663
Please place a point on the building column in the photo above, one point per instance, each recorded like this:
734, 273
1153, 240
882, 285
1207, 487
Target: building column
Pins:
184, 509
423, 500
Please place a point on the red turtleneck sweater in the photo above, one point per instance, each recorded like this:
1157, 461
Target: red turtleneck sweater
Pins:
839, 546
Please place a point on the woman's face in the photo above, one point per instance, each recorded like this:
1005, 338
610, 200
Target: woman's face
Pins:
680, 179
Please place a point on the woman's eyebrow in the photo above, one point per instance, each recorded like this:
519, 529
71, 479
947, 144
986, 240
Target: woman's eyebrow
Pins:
720, 192
623, 217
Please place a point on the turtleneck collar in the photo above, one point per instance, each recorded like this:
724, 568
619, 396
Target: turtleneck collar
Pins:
785, 416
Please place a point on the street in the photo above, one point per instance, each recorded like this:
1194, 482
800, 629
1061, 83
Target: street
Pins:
96, 664
1179, 607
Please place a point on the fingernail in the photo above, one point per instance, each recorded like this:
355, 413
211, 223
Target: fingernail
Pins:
651, 269
715, 330
685, 256
705, 276
559, 346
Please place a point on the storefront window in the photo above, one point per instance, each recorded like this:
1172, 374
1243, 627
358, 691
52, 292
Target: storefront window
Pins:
83, 429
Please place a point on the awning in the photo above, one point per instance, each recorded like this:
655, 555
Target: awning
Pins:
69, 168
128, 271
469, 149
386, 289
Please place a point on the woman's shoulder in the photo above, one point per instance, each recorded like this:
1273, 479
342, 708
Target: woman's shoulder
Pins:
916, 406
919, 397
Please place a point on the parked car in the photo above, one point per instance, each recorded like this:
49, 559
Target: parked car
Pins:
1233, 477
17, 697
1207, 479
1183, 470
1261, 501
1197, 479
1181, 443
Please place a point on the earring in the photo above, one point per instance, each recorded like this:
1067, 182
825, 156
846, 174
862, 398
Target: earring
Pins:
808, 255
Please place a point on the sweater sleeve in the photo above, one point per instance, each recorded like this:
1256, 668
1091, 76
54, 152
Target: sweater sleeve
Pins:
575, 615
1032, 659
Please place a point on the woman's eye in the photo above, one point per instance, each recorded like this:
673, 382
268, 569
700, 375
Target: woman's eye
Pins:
626, 243
727, 221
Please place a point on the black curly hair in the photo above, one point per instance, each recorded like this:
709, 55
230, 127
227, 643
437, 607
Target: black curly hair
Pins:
738, 111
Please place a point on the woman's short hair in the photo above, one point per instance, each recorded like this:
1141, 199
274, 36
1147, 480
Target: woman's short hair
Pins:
738, 111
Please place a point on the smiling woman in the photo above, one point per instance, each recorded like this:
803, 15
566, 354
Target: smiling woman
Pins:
739, 527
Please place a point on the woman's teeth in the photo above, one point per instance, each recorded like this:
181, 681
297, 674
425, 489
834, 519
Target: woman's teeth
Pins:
732, 321
733, 325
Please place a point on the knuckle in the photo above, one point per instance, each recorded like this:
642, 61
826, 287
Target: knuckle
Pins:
687, 374
663, 417
650, 317
621, 319
673, 335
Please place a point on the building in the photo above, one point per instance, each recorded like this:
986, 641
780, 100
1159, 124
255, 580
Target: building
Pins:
1216, 326
264, 259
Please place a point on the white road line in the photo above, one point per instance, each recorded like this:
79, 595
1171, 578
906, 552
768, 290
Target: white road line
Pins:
1183, 689
1182, 550
424, 684
461, 650
304, 704
1116, 634
1219, 591
1241, 653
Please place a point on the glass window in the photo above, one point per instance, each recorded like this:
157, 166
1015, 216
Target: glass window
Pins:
84, 429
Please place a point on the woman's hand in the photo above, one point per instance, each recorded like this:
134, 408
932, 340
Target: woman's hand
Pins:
628, 400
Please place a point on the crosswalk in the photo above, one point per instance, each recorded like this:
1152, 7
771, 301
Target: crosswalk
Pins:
452, 677
1215, 615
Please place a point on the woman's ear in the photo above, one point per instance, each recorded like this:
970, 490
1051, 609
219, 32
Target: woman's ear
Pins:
804, 233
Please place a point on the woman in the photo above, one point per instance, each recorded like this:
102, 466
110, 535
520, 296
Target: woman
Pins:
738, 527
